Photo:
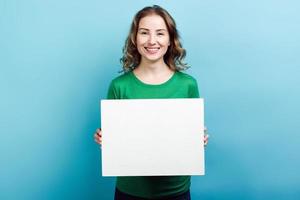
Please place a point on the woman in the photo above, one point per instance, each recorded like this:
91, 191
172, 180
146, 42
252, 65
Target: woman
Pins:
152, 64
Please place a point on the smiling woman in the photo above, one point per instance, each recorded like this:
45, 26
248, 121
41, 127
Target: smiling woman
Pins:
152, 64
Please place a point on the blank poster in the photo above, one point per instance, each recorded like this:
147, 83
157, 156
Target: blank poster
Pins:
152, 137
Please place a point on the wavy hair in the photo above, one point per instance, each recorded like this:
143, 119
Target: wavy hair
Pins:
175, 53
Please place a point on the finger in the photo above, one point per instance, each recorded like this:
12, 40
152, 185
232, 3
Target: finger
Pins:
96, 136
97, 141
205, 139
98, 130
99, 134
205, 142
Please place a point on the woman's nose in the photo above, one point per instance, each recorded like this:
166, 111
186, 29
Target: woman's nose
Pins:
152, 39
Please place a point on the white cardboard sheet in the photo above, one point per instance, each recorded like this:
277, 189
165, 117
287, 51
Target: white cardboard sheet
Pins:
152, 137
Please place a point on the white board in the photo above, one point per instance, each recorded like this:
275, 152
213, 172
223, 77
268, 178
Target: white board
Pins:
152, 137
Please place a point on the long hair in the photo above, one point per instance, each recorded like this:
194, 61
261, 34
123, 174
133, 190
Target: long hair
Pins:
175, 53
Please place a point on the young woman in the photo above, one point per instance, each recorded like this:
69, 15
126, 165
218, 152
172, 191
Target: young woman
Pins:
152, 65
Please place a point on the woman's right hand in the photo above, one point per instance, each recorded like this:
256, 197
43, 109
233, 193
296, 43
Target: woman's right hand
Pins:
98, 136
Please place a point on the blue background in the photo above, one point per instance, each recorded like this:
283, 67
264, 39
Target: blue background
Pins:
58, 57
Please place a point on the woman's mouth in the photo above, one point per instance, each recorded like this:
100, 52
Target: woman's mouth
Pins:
152, 50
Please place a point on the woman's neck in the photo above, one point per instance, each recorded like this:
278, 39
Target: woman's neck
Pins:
153, 68
153, 73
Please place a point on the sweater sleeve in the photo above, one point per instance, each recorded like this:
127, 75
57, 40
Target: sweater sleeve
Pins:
193, 90
112, 91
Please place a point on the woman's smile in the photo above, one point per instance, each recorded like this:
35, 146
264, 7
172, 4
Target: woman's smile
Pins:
152, 50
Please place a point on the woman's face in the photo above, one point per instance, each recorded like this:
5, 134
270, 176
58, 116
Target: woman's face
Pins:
152, 38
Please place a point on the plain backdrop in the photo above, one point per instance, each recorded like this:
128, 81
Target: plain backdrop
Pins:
57, 59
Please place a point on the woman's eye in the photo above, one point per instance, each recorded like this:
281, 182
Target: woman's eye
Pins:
160, 34
143, 33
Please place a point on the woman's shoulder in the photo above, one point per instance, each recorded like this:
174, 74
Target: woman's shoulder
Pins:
186, 77
190, 82
124, 78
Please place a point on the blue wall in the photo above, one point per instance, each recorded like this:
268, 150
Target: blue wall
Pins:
56, 61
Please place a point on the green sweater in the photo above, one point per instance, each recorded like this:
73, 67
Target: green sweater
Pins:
128, 86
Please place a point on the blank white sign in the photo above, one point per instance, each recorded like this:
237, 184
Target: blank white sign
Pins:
152, 137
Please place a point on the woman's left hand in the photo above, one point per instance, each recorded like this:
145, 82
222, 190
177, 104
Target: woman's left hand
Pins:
206, 136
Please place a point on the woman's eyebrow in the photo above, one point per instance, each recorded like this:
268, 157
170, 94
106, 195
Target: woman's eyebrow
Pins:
144, 29
155, 30
161, 29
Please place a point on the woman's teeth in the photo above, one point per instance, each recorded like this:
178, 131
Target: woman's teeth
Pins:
151, 49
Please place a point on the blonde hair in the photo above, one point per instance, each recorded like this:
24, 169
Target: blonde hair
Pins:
175, 53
